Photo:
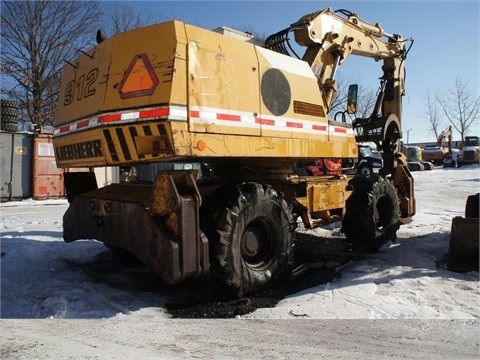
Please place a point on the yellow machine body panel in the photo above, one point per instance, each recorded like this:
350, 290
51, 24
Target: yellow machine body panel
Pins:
174, 91
223, 94
135, 69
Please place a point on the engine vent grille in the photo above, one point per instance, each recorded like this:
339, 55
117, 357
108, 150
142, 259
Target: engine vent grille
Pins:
300, 107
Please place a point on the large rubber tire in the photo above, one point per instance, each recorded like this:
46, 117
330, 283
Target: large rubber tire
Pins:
9, 127
250, 232
8, 104
365, 170
372, 214
9, 115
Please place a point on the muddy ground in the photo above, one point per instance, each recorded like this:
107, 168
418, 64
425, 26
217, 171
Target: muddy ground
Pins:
316, 259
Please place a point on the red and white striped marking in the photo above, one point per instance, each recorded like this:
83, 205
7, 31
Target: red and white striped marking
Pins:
178, 113
214, 116
209, 116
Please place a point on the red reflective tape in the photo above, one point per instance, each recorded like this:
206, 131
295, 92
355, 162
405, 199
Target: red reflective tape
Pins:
109, 118
154, 113
64, 129
319, 127
341, 130
229, 117
264, 121
194, 113
83, 123
294, 124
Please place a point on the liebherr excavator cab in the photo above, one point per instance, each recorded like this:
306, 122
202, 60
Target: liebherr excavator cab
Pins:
251, 114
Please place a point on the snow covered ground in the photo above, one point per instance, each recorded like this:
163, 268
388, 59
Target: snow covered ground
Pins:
436, 312
409, 279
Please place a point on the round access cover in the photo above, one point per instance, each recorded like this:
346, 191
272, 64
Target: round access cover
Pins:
276, 92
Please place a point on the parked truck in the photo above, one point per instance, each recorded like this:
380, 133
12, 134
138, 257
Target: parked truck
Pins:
250, 114
470, 151
369, 162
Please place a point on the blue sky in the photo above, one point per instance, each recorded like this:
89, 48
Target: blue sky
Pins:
446, 33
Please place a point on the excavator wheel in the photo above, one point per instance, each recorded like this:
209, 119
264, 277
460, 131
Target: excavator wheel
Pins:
365, 170
250, 230
372, 214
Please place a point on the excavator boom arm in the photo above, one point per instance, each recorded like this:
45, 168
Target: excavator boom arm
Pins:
331, 38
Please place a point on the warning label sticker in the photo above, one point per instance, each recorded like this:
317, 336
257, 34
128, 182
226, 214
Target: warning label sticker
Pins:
139, 79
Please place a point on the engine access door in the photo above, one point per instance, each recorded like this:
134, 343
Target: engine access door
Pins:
223, 90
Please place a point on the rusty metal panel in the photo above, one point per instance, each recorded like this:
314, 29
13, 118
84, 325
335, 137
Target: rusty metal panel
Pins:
403, 182
190, 247
47, 177
169, 241
329, 196
16, 170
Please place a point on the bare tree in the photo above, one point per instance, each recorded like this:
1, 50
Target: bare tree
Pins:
461, 106
261, 36
432, 113
120, 17
365, 102
37, 38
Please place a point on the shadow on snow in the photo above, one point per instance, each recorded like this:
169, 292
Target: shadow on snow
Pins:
125, 286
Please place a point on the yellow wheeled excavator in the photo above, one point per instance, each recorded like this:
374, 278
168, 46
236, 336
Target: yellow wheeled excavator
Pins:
250, 113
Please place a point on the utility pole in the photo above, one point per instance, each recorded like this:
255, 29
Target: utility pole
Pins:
408, 136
